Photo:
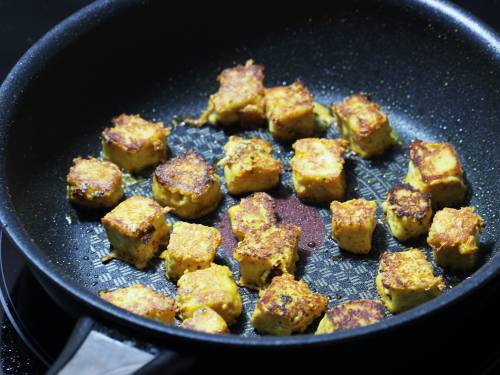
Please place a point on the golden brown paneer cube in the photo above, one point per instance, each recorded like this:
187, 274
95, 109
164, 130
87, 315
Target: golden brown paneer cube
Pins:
454, 237
406, 279
350, 315
318, 169
191, 247
289, 111
266, 254
408, 212
253, 214
212, 287
206, 320
134, 143
361, 122
141, 300
287, 306
93, 183
187, 184
240, 99
249, 165
136, 228
353, 223
434, 168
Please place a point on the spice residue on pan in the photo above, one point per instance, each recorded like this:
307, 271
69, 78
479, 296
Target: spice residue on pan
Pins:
290, 210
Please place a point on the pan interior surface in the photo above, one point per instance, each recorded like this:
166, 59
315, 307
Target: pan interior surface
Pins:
434, 82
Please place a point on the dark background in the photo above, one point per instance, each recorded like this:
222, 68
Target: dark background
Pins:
22, 22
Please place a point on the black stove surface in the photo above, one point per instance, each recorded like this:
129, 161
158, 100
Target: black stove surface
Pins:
33, 329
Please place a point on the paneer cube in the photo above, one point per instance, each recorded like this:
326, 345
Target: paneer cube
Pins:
318, 169
206, 320
266, 254
187, 184
361, 122
406, 279
253, 214
287, 306
240, 99
191, 247
93, 183
289, 111
249, 165
434, 168
350, 315
353, 223
408, 211
141, 300
212, 287
136, 228
134, 143
454, 237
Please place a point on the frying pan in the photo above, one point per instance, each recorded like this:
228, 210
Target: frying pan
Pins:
434, 69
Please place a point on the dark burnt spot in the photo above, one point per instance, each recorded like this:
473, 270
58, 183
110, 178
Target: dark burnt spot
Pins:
188, 172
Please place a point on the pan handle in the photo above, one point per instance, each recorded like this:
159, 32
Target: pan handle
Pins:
91, 351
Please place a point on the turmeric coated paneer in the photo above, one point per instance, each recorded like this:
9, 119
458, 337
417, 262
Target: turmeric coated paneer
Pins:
287, 306
318, 169
240, 99
406, 279
191, 247
350, 315
212, 287
187, 184
143, 301
93, 183
454, 237
253, 214
408, 212
435, 168
136, 228
267, 253
249, 165
361, 122
289, 111
206, 320
134, 143
353, 223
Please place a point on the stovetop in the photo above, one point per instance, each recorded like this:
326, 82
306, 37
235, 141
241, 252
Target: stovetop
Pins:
33, 329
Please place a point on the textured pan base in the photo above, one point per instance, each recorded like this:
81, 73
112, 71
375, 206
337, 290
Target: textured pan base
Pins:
328, 270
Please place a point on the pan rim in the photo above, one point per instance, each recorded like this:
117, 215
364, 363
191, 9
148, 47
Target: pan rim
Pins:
101, 11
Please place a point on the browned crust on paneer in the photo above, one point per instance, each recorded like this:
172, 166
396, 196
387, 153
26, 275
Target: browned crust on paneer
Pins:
456, 227
353, 212
424, 156
405, 200
143, 301
368, 113
91, 179
309, 159
189, 173
131, 133
269, 243
245, 82
286, 102
408, 270
212, 287
354, 314
134, 217
290, 301
254, 213
248, 152
206, 320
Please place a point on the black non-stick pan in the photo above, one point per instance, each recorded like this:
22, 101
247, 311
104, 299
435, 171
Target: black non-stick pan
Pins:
434, 69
